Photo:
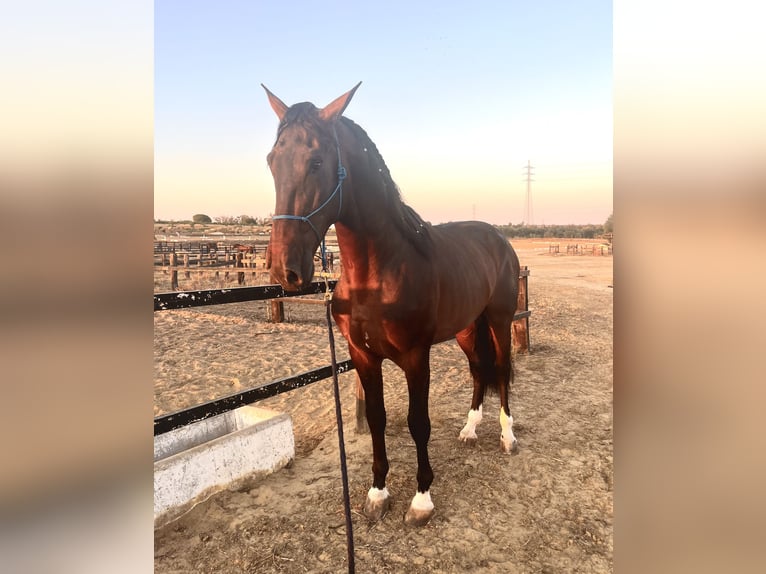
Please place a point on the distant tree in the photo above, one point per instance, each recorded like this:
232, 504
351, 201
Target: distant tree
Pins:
247, 220
570, 231
608, 224
201, 218
590, 231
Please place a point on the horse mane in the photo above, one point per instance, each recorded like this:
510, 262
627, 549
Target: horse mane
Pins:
407, 220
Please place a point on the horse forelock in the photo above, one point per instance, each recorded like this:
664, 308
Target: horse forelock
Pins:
300, 114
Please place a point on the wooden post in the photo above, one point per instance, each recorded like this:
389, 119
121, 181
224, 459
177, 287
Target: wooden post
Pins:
240, 275
361, 408
520, 328
230, 258
173, 271
186, 265
277, 311
251, 264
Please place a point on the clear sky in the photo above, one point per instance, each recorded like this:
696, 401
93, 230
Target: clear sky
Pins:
457, 97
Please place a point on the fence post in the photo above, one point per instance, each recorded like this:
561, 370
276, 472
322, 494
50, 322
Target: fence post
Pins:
240, 275
230, 257
520, 328
186, 265
277, 311
173, 271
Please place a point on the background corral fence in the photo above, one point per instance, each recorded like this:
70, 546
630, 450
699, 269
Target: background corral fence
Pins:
187, 299
213, 258
581, 249
208, 257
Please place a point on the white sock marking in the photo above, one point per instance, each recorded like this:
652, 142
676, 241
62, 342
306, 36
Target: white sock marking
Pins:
469, 430
375, 494
506, 426
422, 501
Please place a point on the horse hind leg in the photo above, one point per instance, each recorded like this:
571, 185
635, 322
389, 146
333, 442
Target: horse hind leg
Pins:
474, 341
501, 340
468, 432
508, 441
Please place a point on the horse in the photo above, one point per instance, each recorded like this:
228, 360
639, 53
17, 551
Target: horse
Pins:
405, 286
240, 248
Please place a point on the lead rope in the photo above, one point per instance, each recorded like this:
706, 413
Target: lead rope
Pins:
334, 363
338, 416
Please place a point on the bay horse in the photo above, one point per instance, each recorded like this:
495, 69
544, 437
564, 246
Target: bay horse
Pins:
405, 285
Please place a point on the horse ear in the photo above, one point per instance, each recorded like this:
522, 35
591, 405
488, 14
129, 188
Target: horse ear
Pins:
334, 109
276, 104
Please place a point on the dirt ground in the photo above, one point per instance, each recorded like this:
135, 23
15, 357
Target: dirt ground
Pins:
547, 509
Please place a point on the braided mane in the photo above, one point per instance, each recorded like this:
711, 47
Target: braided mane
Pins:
406, 219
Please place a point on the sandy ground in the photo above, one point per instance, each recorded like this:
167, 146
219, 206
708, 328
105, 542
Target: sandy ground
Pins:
547, 509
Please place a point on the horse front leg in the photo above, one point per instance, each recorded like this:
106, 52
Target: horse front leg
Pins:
371, 376
418, 373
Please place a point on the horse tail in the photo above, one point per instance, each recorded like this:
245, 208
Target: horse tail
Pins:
485, 350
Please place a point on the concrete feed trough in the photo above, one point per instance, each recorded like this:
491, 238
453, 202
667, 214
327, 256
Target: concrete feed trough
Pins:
193, 462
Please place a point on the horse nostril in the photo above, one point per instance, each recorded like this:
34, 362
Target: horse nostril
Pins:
292, 277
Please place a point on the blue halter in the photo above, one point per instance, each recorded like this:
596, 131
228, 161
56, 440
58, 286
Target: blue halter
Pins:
338, 191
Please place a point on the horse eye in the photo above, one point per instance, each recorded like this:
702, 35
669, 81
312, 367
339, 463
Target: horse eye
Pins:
315, 164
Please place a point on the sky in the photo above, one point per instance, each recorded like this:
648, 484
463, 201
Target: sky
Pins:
457, 98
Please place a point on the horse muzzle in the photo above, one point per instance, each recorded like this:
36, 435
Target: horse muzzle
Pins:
294, 275
292, 263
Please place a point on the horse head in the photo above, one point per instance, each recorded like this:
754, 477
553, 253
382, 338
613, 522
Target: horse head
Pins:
308, 175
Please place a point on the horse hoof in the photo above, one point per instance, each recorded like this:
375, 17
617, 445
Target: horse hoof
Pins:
420, 511
469, 440
417, 518
375, 510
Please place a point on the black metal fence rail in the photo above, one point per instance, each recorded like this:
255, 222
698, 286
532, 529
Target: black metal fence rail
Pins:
187, 299
215, 407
